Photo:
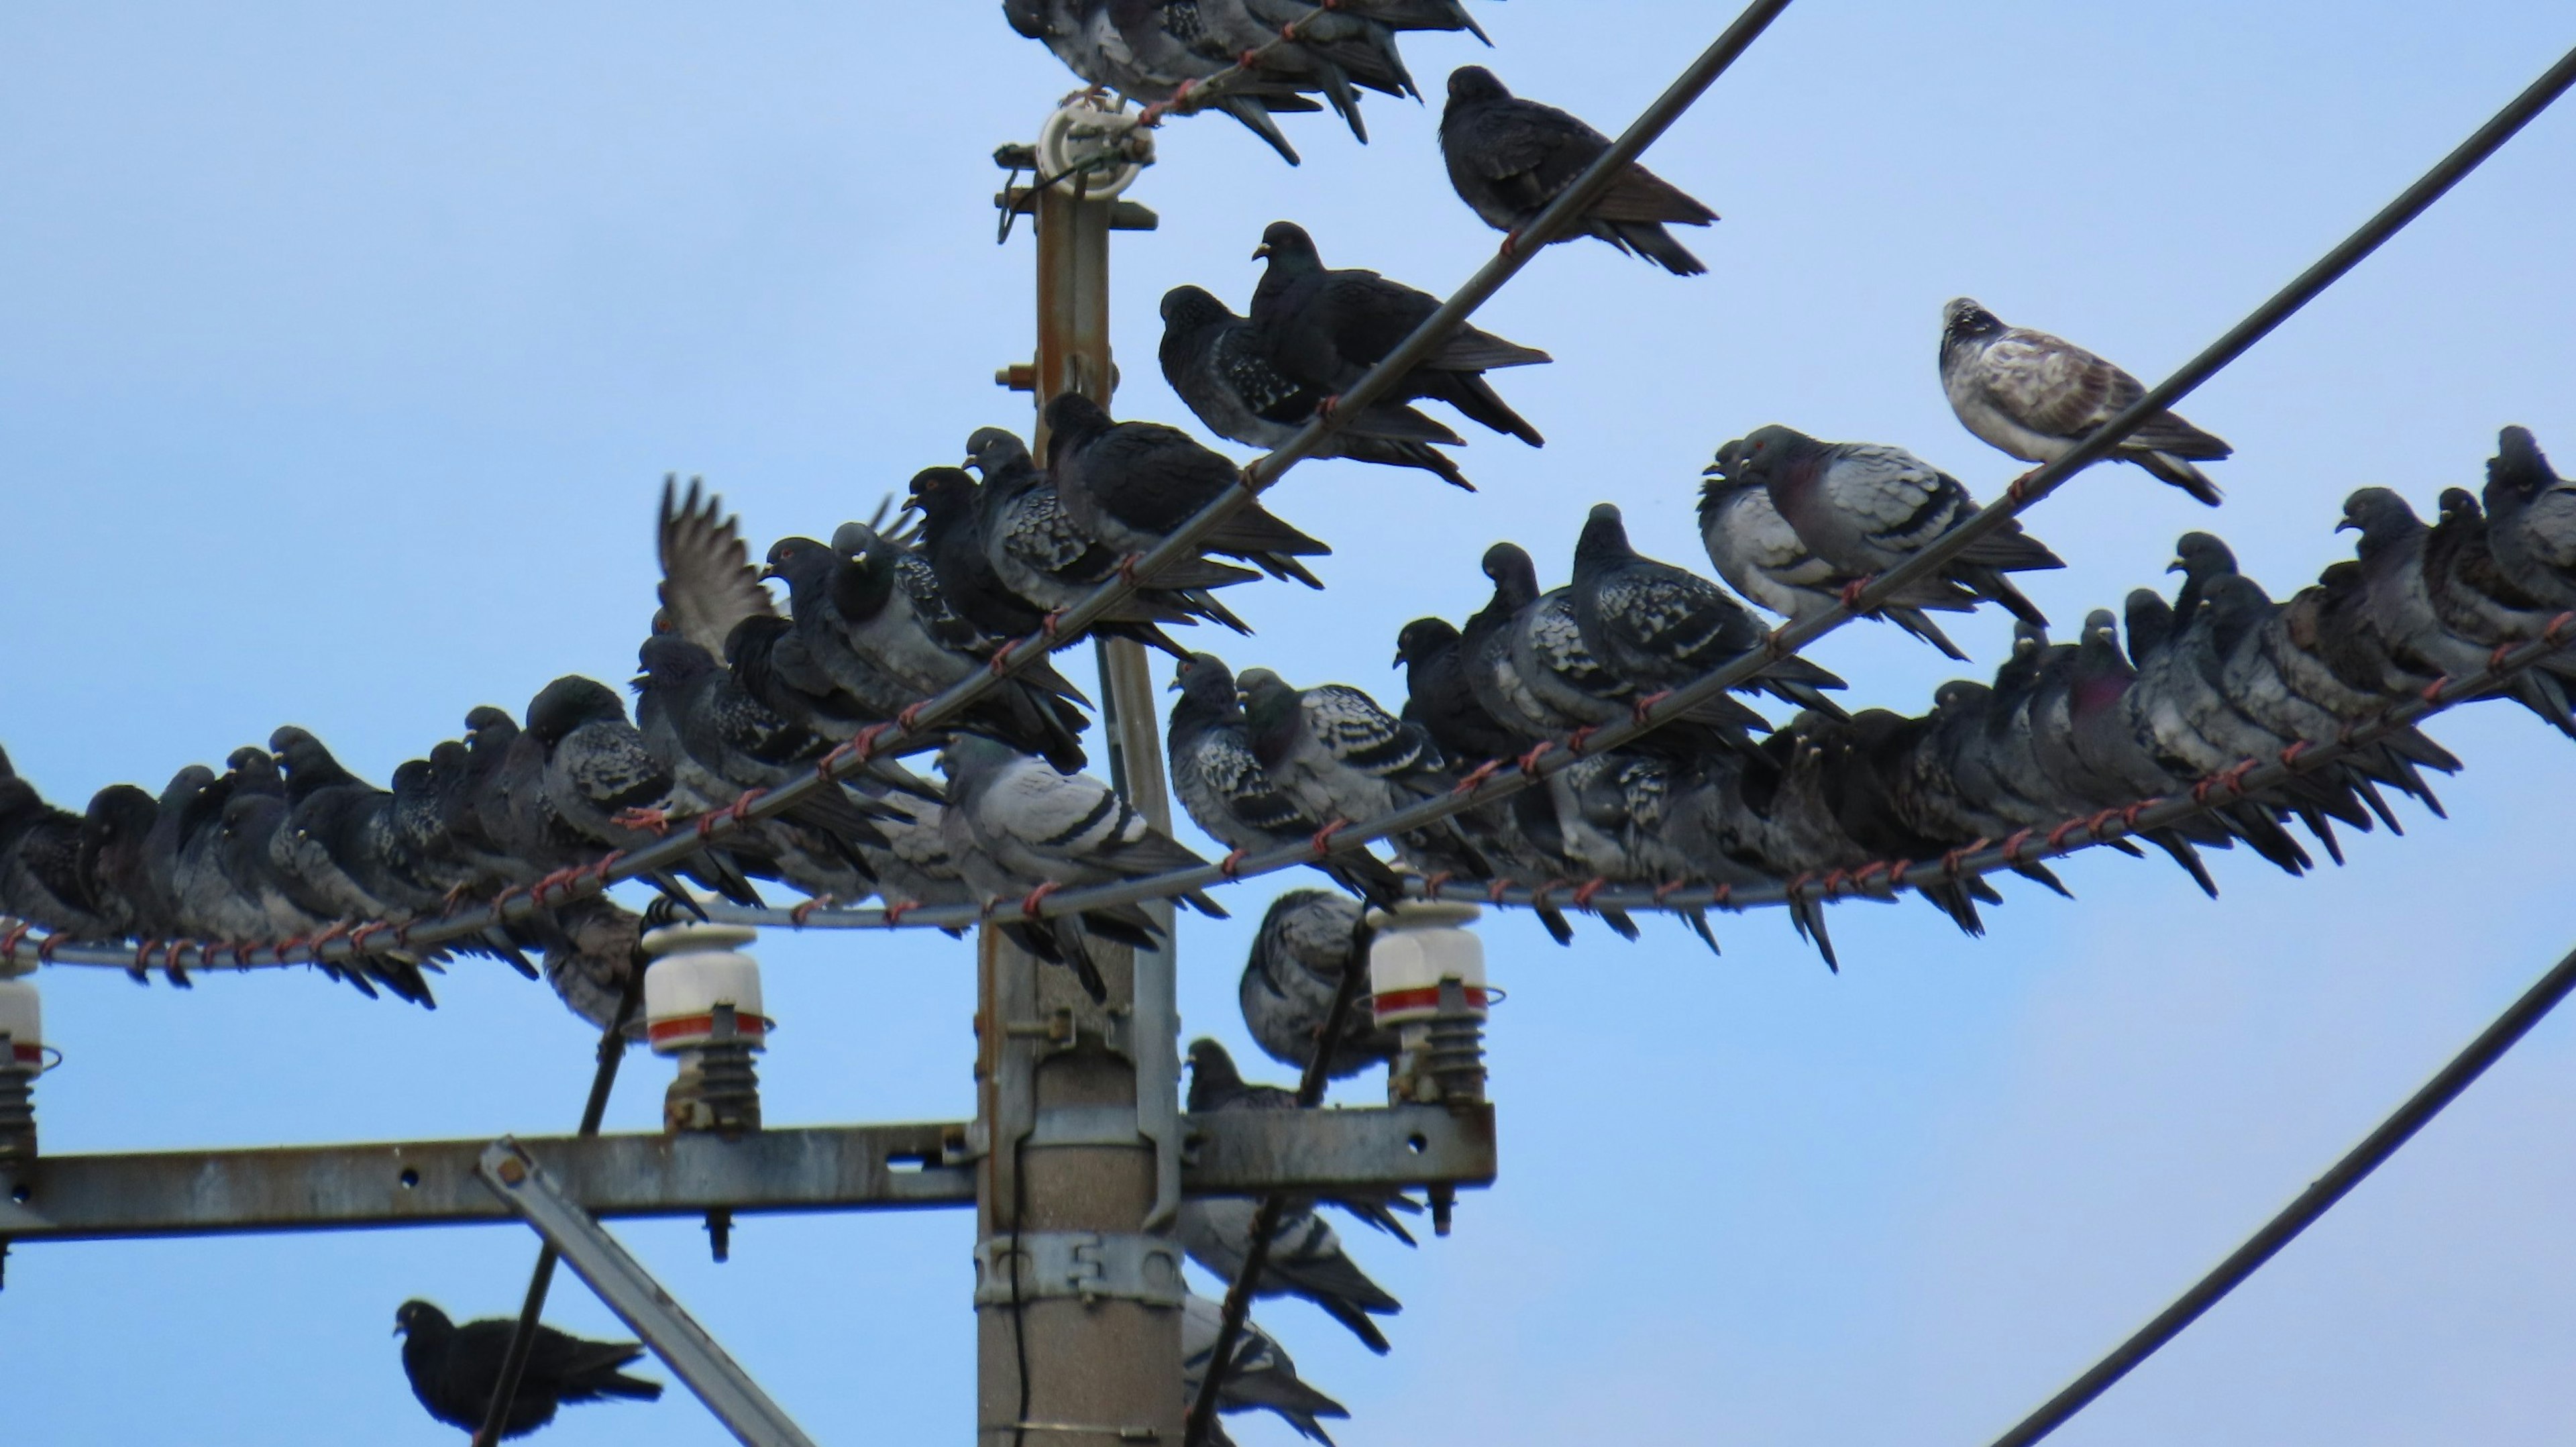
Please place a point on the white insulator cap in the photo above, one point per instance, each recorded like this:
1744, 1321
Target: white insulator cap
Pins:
22, 1019
1089, 129
1416, 947
695, 968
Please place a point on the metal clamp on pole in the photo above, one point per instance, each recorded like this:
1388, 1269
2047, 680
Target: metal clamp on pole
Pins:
638, 1300
1091, 1265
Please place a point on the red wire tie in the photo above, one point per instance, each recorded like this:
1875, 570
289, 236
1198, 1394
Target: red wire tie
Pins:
2012, 847
1322, 843
895, 910
1002, 655
9, 941
800, 913
1583, 896
1575, 741
1232, 862
1529, 761
1645, 706
2057, 836
1956, 859
1029, 906
1478, 776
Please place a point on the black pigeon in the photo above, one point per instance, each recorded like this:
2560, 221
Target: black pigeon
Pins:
127, 862
1438, 697
1509, 157
2531, 520
41, 880
2034, 396
604, 787
1215, 1084
1219, 777
455, 1369
1129, 484
1660, 627
1327, 327
1220, 365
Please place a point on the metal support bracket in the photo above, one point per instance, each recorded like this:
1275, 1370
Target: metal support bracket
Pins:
1091, 1265
638, 1299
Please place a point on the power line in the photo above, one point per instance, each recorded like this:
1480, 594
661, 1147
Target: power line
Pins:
2315, 1201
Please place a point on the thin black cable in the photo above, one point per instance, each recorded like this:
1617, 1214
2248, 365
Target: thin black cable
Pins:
2315, 1201
594, 1110
1019, 1322
1265, 1219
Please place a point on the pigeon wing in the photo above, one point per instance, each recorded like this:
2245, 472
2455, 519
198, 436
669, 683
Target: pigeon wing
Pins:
708, 583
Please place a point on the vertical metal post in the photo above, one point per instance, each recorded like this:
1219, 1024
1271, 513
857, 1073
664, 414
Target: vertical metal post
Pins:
1077, 1104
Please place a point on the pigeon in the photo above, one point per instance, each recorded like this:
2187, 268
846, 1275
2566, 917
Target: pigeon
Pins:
127, 858
1040, 554
41, 880
1095, 46
952, 541
1610, 815
1222, 785
1307, 939
1328, 327
1305, 1260
1260, 1374
1658, 627
1438, 697
1220, 366
1019, 828
2034, 397
2468, 587
593, 953
605, 788
1129, 484
1760, 556
2398, 609
2531, 520
1865, 508
454, 1370
1508, 158
1216, 1085
1346, 760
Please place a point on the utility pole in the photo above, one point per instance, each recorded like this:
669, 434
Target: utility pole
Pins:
1078, 1278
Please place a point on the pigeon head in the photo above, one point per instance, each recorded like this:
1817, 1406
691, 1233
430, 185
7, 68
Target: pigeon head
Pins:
2459, 504
568, 703
991, 449
1213, 1078
18, 800
1515, 576
421, 1317
118, 818
307, 764
668, 660
966, 757
1963, 320
414, 776
942, 493
1730, 456
864, 579
1286, 244
1604, 540
254, 771
1203, 678
1188, 308
1472, 84
2519, 467
2201, 557
2236, 604
1072, 419
1269, 704
1765, 451
795, 558
186, 784
484, 716
1424, 639
2380, 516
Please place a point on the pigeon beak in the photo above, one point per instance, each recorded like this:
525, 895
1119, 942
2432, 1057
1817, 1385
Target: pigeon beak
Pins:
2347, 526
1714, 469
1173, 687
2176, 566
1399, 660
767, 572
1261, 251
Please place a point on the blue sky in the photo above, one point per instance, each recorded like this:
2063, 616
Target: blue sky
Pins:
343, 353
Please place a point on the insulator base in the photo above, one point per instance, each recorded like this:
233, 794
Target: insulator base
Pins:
17, 1113
717, 1090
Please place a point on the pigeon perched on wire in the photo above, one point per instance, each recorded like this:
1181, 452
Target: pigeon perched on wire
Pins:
2398, 613
1260, 1374
41, 880
2531, 520
1308, 939
1347, 760
1326, 327
1865, 508
1306, 1260
454, 1370
2034, 396
601, 782
1218, 774
1760, 556
1020, 830
1220, 366
1508, 158
1130, 484
126, 860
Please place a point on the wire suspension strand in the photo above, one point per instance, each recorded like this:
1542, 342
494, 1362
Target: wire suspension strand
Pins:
2320, 1197
1555, 756
594, 1110
1265, 1219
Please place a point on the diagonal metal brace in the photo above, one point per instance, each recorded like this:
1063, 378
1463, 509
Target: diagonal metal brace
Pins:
638, 1299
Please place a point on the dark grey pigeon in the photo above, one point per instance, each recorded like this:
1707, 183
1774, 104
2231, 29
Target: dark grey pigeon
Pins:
1437, 696
1659, 627
1509, 157
605, 788
127, 863
1866, 508
1327, 327
2034, 396
1215, 1084
1222, 785
2531, 520
1760, 556
1308, 938
41, 880
454, 1370
1306, 1259
1220, 365
1259, 1375
1129, 484
2398, 606
1346, 760
1093, 45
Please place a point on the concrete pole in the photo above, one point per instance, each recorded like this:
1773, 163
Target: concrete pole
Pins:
1071, 1171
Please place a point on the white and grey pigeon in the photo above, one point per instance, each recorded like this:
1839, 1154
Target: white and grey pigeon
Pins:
2034, 396
1306, 1259
1261, 1375
1308, 938
1508, 158
1017, 828
1660, 627
1867, 508
1760, 556
1222, 785
1347, 760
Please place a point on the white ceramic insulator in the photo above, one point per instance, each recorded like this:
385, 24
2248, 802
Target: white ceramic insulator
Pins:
682, 991
1080, 129
22, 1019
1416, 950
